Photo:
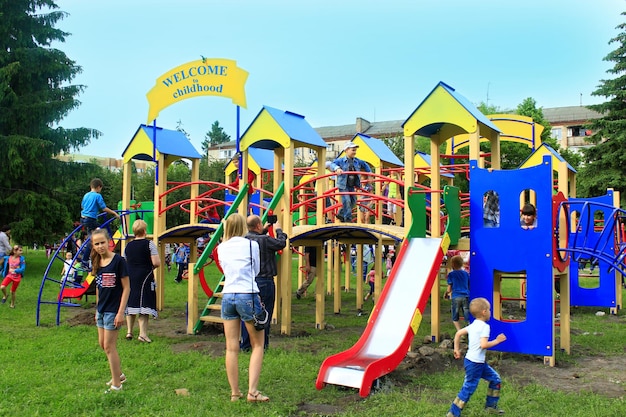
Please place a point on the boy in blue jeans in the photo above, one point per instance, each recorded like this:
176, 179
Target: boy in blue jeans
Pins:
91, 206
458, 291
475, 365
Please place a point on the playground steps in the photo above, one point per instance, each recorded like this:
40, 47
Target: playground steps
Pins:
212, 319
211, 312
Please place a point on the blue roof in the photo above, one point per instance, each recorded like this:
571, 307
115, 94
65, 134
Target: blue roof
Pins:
381, 150
553, 152
296, 127
170, 142
263, 157
434, 128
426, 158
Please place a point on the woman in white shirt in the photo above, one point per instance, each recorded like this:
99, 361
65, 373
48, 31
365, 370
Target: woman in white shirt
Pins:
239, 259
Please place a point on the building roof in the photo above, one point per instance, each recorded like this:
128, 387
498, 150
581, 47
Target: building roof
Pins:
385, 128
554, 115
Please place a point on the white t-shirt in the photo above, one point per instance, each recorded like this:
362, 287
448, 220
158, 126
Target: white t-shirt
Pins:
475, 331
239, 258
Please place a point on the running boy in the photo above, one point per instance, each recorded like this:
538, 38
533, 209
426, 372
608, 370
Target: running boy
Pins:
475, 365
458, 291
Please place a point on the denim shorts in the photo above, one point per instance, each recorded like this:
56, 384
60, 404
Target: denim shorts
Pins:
460, 304
240, 306
106, 320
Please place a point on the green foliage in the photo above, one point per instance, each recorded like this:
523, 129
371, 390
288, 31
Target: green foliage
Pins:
396, 144
35, 94
606, 161
213, 137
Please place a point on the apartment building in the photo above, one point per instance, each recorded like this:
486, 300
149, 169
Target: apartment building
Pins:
567, 127
112, 164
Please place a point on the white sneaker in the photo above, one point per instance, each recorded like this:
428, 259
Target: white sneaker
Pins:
113, 388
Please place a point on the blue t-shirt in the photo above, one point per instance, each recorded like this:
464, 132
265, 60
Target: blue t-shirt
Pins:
181, 255
109, 284
459, 279
92, 204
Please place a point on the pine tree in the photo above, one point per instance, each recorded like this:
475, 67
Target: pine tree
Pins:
214, 137
35, 95
606, 161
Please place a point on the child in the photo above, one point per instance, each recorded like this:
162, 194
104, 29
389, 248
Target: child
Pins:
458, 291
13, 269
92, 205
529, 217
69, 268
389, 262
371, 279
112, 291
168, 257
181, 256
475, 365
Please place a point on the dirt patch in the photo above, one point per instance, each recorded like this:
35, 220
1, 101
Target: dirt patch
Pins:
602, 375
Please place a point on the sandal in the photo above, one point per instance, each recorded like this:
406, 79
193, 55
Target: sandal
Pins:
257, 397
235, 397
144, 339
122, 380
129, 336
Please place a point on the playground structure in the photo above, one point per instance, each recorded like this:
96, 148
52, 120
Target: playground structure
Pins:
427, 223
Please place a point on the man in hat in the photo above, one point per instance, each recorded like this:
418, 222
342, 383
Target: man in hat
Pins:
347, 183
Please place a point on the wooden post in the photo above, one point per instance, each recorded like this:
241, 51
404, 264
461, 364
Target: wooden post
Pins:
160, 223
192, 299
320, 297
435, 231
332, 260
336, 280
284, 278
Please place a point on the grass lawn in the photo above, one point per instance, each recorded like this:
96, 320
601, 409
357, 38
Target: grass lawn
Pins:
60, 370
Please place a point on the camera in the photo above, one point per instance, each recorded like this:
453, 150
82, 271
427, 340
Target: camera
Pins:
272, 218
259, 320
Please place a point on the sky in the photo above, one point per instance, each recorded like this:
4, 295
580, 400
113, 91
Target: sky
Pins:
331, 61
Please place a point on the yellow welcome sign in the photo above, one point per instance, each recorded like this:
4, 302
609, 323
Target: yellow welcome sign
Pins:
204, 77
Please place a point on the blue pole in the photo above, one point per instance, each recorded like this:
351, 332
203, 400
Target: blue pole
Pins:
156, 169
237, 141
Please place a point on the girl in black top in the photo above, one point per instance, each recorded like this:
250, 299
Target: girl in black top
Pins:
112, 291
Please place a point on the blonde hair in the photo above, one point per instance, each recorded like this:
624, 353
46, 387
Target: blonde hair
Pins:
96, 258
478, 305
235, 225
140, 227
